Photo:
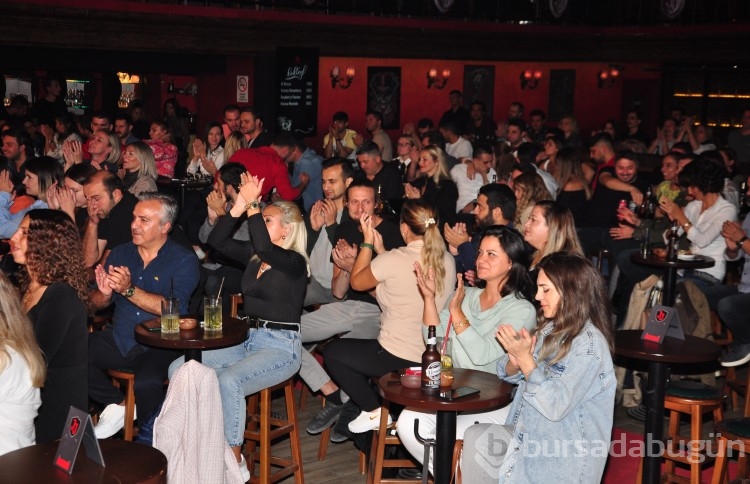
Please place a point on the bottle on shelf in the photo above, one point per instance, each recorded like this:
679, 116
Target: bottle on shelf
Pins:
431, 365
379, 204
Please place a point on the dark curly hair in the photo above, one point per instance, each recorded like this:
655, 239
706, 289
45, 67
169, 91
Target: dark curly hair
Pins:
703, 174
53, 252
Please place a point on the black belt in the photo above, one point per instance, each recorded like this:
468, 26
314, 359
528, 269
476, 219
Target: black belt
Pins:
256, 323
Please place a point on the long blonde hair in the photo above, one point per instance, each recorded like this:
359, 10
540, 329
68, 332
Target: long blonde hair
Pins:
235, 141
17, 332
438, 156
562, 236
422, 219
534, 191
296, 240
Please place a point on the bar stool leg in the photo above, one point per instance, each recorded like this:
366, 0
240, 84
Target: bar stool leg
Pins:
291, 416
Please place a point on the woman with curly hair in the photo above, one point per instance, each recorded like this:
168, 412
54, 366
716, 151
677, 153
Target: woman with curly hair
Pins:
529, 189
55, 297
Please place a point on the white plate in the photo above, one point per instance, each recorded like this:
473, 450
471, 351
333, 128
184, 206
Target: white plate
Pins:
686, 256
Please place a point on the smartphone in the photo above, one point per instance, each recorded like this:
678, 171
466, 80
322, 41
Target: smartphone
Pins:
458, 393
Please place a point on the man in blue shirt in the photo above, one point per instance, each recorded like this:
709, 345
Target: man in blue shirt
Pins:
139, 275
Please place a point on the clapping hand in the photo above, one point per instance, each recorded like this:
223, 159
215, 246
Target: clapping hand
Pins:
250, 187
6, 184
66, 199
425, 282
52, 201
458, 296
732, 232
217, 203
518, 345
411, 191
344, 255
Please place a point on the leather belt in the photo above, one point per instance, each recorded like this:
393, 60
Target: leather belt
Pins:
256, 323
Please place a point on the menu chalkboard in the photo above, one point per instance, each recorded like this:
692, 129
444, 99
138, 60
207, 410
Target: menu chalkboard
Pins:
297, 77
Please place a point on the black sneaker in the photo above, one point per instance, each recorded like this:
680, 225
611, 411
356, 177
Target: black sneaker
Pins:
337, 438
326, 417
738, 355
638, 413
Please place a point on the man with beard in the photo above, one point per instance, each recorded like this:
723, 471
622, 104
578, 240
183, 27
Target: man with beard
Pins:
358, 315
322, 221
496, 205
110, 208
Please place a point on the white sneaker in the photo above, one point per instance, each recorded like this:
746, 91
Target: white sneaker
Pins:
244, 471
367, 421
111, 420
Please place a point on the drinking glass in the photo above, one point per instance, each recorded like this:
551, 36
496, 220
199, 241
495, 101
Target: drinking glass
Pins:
170, 315
212, 320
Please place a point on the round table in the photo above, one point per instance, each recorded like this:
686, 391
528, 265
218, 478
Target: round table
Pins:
193, 341
493, 393
670, 270
628, 343
126, 462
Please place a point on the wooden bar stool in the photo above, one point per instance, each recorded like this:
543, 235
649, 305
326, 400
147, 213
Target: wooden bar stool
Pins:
694, 399
732, 434
262, 429
126, 377
377, 462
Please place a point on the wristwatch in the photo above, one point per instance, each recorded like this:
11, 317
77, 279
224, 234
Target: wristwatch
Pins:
253, 204
129, 292
741, 241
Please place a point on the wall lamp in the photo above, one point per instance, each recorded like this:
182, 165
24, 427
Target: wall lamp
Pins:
437, 82
530, 79
342, 81
607, 77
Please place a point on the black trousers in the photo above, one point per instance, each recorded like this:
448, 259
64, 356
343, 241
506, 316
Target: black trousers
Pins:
352, 362
149, 364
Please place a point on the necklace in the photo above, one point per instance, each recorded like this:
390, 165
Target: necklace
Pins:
263, 268
30, 292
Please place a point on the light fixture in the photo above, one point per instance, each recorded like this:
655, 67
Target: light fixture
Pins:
607, 77
530, 79
126, 78
437, 82
342, 81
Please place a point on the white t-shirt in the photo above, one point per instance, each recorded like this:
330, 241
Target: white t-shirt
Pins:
705, 233
467, 188
460, 149
19, 403
321, 266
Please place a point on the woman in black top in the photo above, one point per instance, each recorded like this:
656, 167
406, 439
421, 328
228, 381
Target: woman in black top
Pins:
435, 184
273, 289
55, 297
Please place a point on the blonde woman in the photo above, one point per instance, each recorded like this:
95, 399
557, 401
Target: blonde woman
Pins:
139, 168
352, 362
529, 189
550, 228
22, 372
435, 184
234, 143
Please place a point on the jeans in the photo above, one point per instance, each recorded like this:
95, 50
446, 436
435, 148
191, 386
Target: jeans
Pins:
266, 358
733, 308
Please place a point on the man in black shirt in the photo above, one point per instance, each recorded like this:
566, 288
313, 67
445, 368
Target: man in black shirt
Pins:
457, 113
110, 209
383, 176
358, 315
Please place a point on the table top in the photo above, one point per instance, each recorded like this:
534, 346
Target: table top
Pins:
692, 350
126, 462
493, 392
697, 261
234, 331
183, 182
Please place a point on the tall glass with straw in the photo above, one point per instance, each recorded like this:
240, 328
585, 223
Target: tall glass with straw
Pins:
212, 320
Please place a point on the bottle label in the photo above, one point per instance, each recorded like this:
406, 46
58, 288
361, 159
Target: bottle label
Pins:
433, 375
432, 341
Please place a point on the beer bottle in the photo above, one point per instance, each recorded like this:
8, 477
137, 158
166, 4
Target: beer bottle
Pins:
379, 203
431, 365
672, 241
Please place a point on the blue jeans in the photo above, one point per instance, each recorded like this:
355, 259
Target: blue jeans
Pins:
266, 358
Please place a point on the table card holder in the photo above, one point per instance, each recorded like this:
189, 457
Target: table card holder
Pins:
662, 321
78, 428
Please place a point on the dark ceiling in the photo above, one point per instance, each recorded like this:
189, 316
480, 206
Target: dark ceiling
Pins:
195, 38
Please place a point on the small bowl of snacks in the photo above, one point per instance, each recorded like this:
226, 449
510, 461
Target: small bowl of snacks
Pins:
412, 377
188, 323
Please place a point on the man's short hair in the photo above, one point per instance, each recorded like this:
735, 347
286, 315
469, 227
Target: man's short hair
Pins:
538, 112
604, 139
347, 171
109, 180
368, 148
19, 101
168, 203
435, 138
519, 105
482, 149
527, 152
449, 125
455, 92
518, 123
637, 113
231, 108
341, 116
500, 196
425, 123
481, 106
285, 139
256, 114
229, 173
628, 155
378, 115
123, 116
360, 183
101, 114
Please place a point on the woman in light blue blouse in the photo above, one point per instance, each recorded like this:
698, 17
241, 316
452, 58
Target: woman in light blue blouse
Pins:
502, 271
560, 421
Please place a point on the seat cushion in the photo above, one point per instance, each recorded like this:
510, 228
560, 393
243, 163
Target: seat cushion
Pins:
738, 426
693, 390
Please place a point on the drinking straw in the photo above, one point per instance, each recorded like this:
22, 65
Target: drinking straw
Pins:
218, 296
447, 332
171, 287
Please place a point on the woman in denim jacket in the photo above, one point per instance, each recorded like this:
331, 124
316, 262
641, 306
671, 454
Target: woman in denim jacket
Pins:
560, 420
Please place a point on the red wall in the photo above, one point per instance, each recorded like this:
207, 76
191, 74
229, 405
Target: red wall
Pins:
217, 90
592, 105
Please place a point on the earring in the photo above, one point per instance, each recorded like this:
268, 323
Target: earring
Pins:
283, 237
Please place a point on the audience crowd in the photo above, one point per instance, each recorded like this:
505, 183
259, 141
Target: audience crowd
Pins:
480, 227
